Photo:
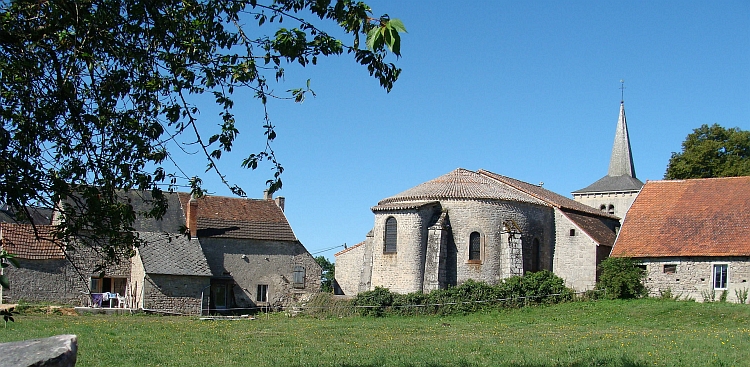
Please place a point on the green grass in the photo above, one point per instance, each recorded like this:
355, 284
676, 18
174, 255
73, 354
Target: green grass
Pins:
604, 333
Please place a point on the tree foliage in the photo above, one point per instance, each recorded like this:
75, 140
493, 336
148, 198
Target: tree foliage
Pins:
93, 91
711, 151
621, 278
328, 275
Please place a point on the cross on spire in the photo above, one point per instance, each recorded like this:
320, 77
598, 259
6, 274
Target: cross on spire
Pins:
622, 91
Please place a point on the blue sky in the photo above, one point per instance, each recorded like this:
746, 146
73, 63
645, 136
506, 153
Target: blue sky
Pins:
529, 90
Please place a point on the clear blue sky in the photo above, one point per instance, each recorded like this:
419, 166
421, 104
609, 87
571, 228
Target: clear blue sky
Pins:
526, 89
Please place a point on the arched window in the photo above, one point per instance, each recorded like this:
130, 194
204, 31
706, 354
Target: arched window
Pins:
603, 208
611, 209
535, 255
475, 246
391, 234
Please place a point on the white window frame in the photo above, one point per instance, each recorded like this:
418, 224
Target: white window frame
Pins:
713, 276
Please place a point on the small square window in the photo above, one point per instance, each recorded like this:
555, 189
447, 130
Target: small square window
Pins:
572, 232
670, 268
642, 267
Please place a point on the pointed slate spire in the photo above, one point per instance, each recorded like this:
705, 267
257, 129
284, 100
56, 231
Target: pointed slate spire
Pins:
621, 162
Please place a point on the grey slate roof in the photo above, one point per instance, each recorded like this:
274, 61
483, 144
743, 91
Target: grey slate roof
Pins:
621, 161
613, 183
172, 254
39, 215
172, 220
621, 173
460, 184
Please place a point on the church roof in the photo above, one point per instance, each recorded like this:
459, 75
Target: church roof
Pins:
698, 217
612, 183
621, 161
460, 184
549, 197
621, 173
593, 226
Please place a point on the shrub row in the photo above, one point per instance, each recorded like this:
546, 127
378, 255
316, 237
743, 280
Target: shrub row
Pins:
542, 287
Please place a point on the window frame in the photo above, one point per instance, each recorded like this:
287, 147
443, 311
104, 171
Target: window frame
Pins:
669, 269
261, 294
475, 248
724, 276
390, 247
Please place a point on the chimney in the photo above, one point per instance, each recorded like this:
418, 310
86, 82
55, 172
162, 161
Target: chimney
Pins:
266, 195
192, 217
280, 202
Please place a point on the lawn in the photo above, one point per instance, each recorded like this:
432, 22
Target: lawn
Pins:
604, 333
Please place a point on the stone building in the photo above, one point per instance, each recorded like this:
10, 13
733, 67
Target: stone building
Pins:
241, 255
615, 192
475, 225
691, 236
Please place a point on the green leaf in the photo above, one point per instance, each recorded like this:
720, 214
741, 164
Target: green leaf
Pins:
397, 25
4, 282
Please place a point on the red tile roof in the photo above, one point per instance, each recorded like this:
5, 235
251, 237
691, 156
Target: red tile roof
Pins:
226, 217
30, 242
698, 217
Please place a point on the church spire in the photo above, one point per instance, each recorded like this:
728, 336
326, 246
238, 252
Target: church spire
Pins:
621, 162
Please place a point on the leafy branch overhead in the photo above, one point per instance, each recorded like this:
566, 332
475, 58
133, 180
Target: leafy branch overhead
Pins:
98, 96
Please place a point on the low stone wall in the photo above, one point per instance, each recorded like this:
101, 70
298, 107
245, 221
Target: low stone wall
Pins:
692, 277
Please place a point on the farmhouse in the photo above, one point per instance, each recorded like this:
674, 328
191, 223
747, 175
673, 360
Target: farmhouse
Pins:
475, 225
691, 236
241, 255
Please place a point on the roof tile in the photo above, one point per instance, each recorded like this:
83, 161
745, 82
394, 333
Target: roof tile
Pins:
697, 217
30, 242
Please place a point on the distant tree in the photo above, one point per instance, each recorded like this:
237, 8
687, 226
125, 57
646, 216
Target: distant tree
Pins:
711, 151
329, 273
621, 277
93, 91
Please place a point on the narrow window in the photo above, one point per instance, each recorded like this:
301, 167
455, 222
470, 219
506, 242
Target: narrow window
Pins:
720, 276
603, 208
572, 232
391, 234
535, 255
262, 295
670, 269
475, 248
299, 277
611, 209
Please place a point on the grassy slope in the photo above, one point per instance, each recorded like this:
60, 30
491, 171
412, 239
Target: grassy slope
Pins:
606, 333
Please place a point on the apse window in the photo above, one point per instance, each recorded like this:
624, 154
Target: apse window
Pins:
670, 268
721, 276
391, 235
262, 295
475, 247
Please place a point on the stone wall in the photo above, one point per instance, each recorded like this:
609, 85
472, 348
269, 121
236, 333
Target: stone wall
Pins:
575, 256
407, 269
620, 200
252, 262
174, 293
349, 264
693, 276
58, 281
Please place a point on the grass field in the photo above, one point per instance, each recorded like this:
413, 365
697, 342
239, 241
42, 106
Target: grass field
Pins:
604, 333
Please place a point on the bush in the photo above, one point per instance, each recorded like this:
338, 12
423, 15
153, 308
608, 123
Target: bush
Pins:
545, 287
374, 302
621, 278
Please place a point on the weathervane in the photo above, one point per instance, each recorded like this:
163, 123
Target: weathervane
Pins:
622, 91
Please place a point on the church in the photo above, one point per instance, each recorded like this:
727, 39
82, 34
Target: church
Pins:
486, 227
